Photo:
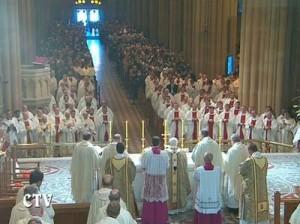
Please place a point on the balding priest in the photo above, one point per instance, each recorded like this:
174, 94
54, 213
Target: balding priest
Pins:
207, 144
254, 206
178, 180
84, 170
155, 164
101, 198
124, 217
112, 211
237, 154
122, 168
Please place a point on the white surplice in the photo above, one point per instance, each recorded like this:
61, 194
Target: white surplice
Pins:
123, 218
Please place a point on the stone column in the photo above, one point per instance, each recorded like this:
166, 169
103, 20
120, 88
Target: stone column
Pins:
10, 55
263, 50
27, 31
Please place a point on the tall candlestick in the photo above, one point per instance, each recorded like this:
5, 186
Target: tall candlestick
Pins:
165, 132
143, 135
126, 134
182, 132
110, 131
220, 134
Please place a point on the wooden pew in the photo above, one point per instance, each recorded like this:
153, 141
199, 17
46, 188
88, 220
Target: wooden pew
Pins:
290, 203
64, 213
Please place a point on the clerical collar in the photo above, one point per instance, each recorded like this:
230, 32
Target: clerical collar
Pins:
120, 156
208, 166
156, 150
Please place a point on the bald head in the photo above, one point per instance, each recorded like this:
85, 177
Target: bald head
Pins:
113, 209
235, 138
204, 133
115, 195
208, 157
117, 138
107, 181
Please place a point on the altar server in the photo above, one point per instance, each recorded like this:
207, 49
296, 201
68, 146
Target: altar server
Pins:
155, 164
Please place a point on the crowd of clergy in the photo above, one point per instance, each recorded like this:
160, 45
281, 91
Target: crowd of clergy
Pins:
103, 177
190, 102
73, 109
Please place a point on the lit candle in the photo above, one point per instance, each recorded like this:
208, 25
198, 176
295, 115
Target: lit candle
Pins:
220, 134
165, 132
143, 129
110, 130
182, 132
143, 135
126, 134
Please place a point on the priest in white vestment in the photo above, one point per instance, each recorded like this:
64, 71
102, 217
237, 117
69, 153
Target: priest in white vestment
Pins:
84, 170
86, 125
101, 198
237, 154
103, 125
35, 180
65, 102
112, 211
87, 101
210, 122
45, 131
174, 121
57, 120
109, 151
296, 140
241, 119
85, 87
254, 126
226, 124
295, 217
193, 118
180, 97
124, 217
286, 125
270, 127
207, 144
20, 211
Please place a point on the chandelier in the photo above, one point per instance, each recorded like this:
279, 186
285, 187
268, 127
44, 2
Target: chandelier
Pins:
93, 2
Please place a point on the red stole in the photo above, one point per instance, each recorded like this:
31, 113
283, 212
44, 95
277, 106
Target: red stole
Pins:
76, 133
182, 96
27, 126
211, 125
156, 150
176, 116
236, 111
231, 102
206, 109
269, 124
225, 122
195, 131
105, 120
252, 124
57, 122
242, 122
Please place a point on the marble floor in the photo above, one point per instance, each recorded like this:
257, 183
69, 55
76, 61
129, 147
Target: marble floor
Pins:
283, 174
